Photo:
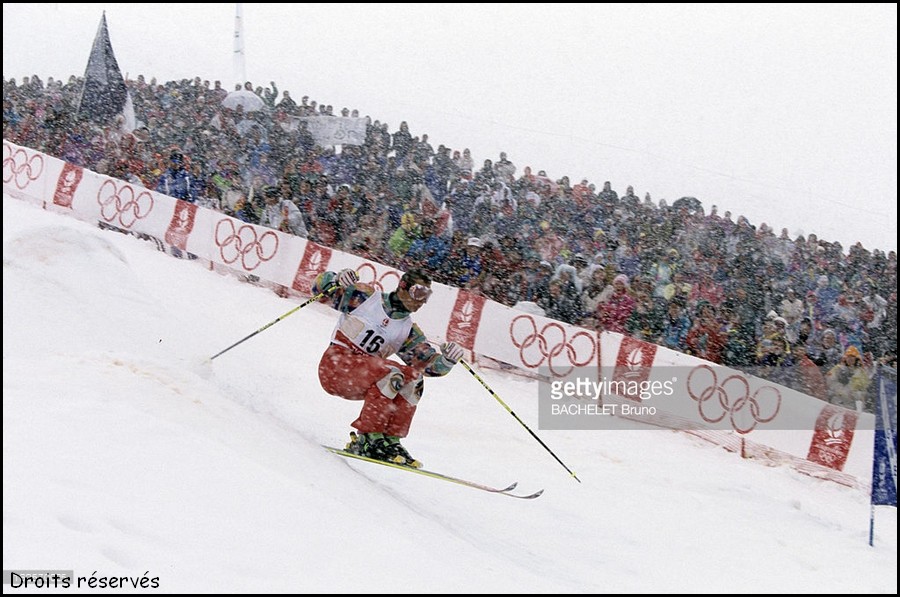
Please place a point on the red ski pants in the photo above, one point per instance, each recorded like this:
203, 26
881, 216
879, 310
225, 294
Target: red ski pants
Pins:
354, 375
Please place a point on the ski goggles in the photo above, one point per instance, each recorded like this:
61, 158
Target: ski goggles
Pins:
419, 292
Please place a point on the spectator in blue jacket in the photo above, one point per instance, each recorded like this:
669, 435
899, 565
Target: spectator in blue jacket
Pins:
430, 250
676, 326
176, 180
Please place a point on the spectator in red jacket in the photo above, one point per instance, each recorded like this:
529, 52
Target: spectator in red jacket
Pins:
807, 377
706, 340
614, 313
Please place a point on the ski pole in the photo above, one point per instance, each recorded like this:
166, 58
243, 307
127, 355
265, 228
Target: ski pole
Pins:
510, 411
311, 299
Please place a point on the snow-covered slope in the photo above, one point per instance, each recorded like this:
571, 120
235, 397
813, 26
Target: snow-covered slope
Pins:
124, 454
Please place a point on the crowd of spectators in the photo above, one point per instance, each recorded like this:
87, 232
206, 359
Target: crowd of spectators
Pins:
800, 311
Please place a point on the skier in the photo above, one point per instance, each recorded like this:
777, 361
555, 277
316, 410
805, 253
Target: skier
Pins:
373, 326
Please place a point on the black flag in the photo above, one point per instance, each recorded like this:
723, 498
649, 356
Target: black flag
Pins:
104, 95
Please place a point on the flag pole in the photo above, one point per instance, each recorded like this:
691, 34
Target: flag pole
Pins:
240, 66
871, 524
883, 392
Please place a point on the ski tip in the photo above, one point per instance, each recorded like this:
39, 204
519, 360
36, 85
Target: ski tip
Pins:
510, 488
530, 496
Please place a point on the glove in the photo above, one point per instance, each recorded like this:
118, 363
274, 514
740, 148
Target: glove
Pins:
452, 352
347, 278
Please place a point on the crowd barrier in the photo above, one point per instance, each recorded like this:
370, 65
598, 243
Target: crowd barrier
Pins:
742, 413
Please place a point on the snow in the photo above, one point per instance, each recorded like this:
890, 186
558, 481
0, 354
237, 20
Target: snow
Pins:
125, 454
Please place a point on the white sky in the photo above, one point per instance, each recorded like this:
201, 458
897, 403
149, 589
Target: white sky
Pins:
123, 455
784, 113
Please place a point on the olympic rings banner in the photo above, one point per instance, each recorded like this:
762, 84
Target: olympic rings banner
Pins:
743, 413
736, 410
